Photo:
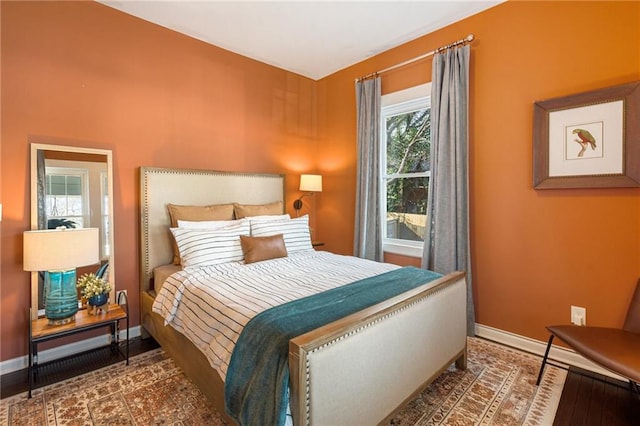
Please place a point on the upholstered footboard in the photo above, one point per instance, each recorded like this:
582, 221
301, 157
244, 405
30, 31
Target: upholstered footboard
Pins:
363, 368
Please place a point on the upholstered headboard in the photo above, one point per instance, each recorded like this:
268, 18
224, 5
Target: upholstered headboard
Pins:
159, 187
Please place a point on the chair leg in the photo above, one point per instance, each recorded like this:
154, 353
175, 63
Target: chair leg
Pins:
544, 360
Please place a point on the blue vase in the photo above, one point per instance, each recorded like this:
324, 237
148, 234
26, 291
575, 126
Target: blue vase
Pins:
98, 300
60, 296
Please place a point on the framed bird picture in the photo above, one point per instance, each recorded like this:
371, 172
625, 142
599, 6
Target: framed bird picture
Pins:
588, 140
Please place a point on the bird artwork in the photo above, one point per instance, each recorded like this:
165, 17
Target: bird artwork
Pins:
586, 140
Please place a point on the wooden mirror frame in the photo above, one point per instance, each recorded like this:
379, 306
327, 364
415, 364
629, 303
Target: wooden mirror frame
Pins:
35, 147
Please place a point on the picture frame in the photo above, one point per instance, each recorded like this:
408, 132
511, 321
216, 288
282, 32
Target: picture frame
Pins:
588, 140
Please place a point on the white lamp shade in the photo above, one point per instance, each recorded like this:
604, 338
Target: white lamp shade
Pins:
311, 183
60, 249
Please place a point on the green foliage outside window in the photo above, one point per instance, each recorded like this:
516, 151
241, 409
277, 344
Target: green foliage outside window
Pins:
408, 153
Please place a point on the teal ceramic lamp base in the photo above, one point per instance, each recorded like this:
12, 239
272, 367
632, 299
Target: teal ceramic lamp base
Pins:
60, 296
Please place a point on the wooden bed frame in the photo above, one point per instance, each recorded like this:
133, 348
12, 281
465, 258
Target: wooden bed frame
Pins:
357, 370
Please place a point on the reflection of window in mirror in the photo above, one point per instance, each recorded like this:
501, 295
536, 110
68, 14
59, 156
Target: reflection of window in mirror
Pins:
76, 196
66, 197
104, 191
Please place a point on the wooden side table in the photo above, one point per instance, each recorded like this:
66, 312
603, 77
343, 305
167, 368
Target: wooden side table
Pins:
41, 331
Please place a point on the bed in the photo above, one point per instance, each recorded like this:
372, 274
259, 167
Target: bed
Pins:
357, 369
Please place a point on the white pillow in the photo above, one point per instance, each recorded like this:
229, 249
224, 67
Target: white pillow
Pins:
269, 217
209, 224
202, 247
295, 232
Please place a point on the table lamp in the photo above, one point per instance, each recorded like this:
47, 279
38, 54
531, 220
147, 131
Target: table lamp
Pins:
58, 252
309, 184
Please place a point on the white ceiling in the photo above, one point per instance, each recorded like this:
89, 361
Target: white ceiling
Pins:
311, 38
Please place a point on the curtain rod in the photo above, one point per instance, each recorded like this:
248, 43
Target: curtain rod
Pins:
467, 39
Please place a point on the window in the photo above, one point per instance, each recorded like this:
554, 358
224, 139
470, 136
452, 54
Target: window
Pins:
104, 208
405, 163
65, 201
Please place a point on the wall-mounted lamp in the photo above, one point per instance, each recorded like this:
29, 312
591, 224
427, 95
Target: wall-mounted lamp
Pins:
308, 184
58, 252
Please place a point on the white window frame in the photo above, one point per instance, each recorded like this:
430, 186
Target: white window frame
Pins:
395, 103
83, 174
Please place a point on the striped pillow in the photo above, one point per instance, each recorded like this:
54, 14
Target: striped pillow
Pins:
295, 232
202, 247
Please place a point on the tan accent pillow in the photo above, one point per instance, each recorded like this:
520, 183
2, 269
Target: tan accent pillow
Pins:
248, 210
257, 249
196, 213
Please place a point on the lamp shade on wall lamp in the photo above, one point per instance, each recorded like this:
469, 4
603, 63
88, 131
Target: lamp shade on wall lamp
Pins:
58, 252
308, 184
311, 183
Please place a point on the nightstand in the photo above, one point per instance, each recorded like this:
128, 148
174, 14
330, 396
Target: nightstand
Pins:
41, 331
317, 243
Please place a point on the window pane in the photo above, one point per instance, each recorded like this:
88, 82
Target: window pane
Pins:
74, 185
57, 185
407, 208
408, 137
56, 206
74, 206
106, 249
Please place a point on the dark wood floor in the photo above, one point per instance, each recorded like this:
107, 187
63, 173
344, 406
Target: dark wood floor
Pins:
591, 399
587, 398
65, 368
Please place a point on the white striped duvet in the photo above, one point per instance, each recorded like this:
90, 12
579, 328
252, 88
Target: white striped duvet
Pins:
211, 305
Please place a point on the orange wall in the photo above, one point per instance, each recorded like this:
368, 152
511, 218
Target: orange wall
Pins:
534, 253
93, 76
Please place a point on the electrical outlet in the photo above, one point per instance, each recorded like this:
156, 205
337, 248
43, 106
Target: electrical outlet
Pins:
124, 299
578, 315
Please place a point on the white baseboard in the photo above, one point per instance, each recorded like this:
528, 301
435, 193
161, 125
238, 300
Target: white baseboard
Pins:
557, 353
22, 362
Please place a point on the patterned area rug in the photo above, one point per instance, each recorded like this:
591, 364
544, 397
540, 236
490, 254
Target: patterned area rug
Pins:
498, 388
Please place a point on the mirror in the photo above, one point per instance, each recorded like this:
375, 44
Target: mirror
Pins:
73, 187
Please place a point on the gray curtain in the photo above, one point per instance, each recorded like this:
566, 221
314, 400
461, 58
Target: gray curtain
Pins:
42, 180
367, 238
446, 247
42, 215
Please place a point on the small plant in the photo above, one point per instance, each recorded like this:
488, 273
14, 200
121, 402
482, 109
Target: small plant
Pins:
91, 285
60, 223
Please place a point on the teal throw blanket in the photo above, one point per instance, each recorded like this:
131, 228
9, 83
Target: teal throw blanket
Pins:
257, 379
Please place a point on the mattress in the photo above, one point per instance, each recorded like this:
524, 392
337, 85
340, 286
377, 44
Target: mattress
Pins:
161, 273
